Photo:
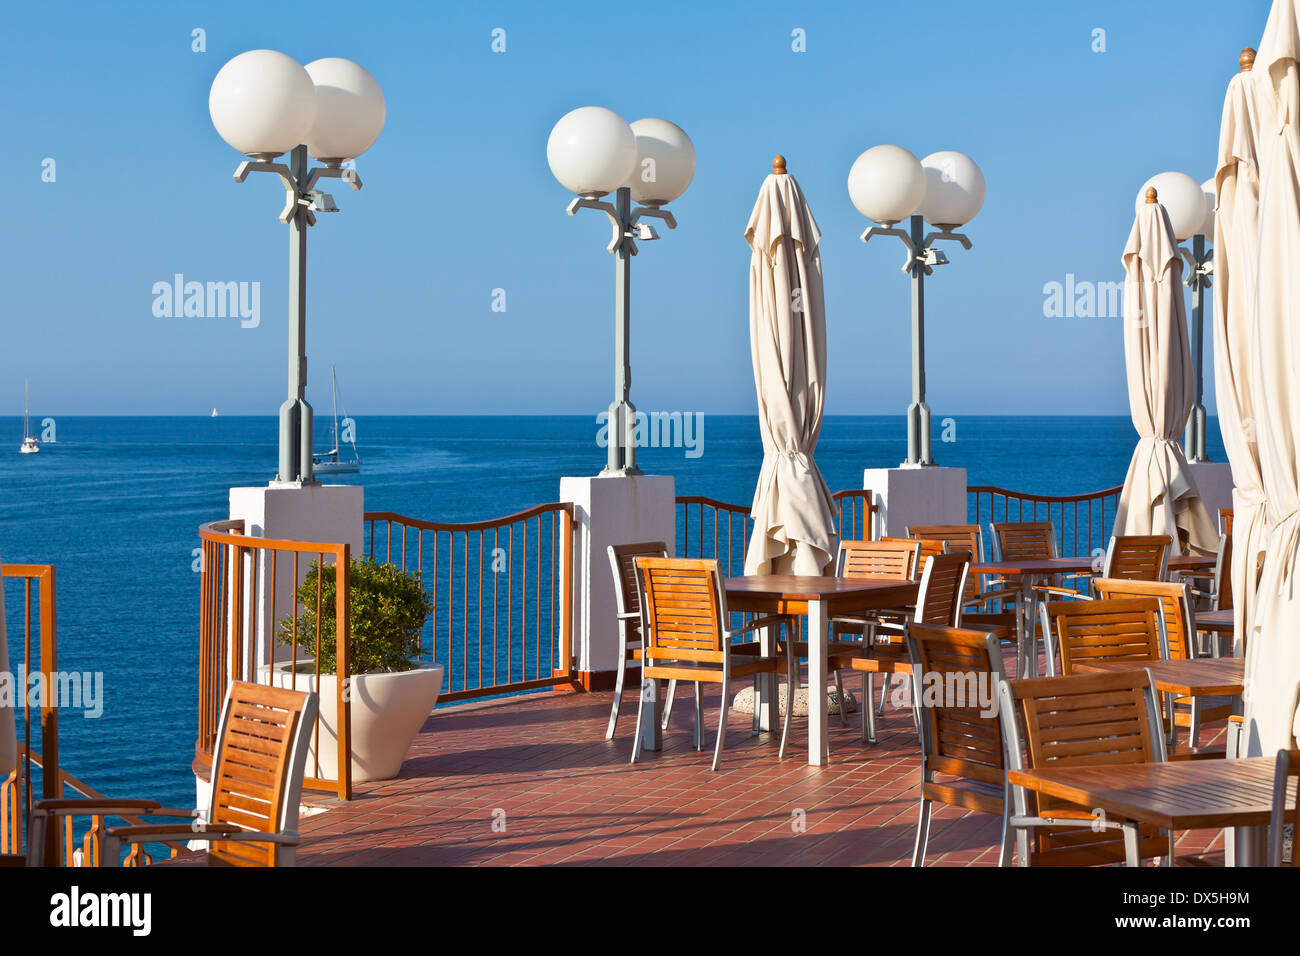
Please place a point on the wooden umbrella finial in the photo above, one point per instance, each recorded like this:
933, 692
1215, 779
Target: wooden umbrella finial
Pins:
778, 165
1151, 195
1247, 60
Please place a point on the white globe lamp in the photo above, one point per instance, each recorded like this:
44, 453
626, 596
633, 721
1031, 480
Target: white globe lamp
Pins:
665, 162
262, 103
886, 184
954, 189
591, 151
1183, 199
350, 110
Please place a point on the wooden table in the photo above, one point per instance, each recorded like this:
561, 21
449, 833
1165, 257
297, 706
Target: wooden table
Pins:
1192, 562
1220, 622
1184, 795
820, 598
1029, 573
1195, 677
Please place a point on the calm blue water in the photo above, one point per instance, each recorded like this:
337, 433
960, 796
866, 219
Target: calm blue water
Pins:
116, 503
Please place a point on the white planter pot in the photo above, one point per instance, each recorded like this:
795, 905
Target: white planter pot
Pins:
388, 709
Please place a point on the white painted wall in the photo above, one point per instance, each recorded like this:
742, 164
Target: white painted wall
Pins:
916, 496
611, 510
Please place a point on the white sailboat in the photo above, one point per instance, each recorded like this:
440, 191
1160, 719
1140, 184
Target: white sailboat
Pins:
330, 462
214, 413
30, 445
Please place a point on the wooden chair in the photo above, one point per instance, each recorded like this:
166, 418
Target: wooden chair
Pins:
1180, 644
961, 738
1140, 557
1086, 720
984, 600
1212, 590
1129, 630
627, 604
683, 610
938, 602
1225, 521
256, 789
1288, 766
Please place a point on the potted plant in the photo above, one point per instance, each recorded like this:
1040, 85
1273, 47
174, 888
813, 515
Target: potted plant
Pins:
391, 693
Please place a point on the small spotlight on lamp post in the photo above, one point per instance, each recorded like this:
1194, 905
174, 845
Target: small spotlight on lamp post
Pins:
887, 185
264, 104
1191, 215
592, 151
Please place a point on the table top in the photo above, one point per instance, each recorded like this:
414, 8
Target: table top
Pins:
1221, 621
1191, 562
1035, 566
1182, 795
1198, 677
793, 593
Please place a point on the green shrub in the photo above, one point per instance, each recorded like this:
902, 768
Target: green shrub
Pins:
389, 607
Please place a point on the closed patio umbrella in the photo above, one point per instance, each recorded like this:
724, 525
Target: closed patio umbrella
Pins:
794, 524
1272, 682
1236, 258
1160, 495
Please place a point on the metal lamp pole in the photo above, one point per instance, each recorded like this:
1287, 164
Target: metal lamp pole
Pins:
1200, 266
628, 228
302, 202
922, 257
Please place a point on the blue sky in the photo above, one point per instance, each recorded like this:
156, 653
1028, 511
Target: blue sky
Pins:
458, 198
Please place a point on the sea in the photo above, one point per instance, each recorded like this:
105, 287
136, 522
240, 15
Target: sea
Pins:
115, 504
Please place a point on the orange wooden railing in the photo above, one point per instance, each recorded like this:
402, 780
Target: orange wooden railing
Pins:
502, 591
248, 587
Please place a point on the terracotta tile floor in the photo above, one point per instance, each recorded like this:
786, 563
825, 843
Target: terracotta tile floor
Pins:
532, 780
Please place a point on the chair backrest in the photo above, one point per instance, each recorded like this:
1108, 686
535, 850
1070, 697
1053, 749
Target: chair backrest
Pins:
943, 582
926, 548
622, 562
1140, 557
1288, 766
1175, 607
956, 537
1223, 573
682, 609
1225, 521
1025, 540
887, 559
1085, 720
961, 731
1095, 631
258, 768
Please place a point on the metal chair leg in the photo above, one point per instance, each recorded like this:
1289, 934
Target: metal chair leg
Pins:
868, 711
922, 834
1004, 852
722, 721
884, 691
640, 713
618, 695
789, 700
668, 706
839, 694
699, 716
1131, 855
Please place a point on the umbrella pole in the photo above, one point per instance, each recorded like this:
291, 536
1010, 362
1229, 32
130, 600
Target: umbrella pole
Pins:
1194, 439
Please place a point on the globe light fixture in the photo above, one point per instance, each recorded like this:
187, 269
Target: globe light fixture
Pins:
1190, 207
593, 151
665, 162
1182, 198
954, 190
264, 104
350, 111
888, 184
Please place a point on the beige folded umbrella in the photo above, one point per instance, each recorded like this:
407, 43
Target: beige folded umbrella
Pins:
1273, 682
1236, 258
794, 523
8, 731
1160, 495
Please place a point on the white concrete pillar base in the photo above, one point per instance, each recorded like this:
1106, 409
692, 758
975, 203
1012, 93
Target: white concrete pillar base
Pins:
916, 495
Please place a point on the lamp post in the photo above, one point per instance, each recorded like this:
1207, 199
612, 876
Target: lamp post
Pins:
1191, 215
264, 104
592, 151
887, 185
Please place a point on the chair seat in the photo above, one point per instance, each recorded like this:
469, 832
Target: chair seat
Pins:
965, 793
1001, 624
708, 671
883, 659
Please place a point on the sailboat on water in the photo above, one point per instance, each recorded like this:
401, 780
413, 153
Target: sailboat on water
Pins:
30, 445
330, 462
